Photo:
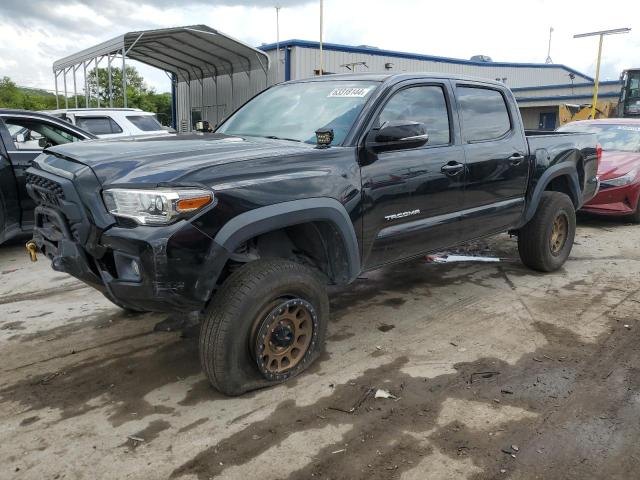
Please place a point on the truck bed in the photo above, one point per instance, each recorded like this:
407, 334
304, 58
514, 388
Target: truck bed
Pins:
549, 148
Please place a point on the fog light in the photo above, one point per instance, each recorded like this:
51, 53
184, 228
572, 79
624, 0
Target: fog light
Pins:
135, 267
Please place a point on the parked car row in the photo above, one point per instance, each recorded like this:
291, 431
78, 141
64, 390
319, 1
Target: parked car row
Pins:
25, 134
112, 122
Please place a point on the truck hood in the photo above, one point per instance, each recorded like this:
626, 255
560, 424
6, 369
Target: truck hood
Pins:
615, 164
155, 160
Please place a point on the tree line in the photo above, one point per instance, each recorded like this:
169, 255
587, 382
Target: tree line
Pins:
139, 94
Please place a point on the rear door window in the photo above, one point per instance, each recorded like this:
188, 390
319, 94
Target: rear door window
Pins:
98, 125
484, 114
146, 123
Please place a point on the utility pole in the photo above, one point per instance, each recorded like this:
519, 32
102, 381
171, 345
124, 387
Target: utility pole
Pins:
548, 60
321, 18
601, 34
278, 7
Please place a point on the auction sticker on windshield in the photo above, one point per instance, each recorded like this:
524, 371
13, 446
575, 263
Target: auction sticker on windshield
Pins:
349, 92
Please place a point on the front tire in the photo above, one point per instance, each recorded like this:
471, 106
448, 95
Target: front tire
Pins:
545, 242
265, 325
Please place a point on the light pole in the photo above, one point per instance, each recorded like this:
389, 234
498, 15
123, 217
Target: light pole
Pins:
601, 34
278, 7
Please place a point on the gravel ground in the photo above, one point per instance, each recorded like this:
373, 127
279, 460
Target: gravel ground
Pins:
498, 372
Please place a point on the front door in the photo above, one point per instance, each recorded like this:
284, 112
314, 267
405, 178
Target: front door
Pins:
497, 164
9, 202
410, 196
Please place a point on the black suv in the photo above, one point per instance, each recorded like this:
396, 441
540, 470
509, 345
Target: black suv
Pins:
23, 136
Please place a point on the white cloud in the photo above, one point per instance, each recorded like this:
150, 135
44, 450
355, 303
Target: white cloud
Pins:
506, 31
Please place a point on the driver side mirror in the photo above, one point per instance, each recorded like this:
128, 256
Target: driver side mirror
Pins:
20, 138
398, 135
43, 142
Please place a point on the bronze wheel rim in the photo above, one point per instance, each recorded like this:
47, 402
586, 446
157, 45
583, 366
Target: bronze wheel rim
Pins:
559, 234
284, 337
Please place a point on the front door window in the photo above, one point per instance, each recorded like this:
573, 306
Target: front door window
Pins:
35, 134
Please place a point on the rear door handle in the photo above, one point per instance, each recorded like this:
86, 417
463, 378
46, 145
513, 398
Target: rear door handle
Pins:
452, 168
516, 159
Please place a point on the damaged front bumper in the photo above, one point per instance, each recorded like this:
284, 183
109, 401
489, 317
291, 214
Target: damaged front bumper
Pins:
170, 268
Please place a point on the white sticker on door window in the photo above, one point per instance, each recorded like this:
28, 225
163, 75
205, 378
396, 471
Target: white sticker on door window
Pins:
347, 92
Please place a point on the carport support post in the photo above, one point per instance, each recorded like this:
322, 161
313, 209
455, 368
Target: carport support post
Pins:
64, 80
124, 79
231, 77
75, 88
215, 85
110, 83
97, 83
55, 78
87, 96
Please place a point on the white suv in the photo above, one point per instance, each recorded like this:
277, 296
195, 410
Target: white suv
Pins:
112, 122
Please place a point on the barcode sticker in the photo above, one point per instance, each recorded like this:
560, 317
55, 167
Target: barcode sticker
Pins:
349, 92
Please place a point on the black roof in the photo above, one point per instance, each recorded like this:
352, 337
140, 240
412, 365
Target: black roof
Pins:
31, 113
44, 116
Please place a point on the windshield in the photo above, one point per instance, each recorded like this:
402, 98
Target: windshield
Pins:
294, 111
623, 138
633, 88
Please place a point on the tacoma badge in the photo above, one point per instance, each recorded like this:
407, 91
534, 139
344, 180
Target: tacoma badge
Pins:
396, 216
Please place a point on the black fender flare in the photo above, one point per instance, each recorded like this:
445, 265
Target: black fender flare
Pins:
564, 169
273, 217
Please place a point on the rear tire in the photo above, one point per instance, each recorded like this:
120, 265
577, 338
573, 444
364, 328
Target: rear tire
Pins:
545, 242
265, 325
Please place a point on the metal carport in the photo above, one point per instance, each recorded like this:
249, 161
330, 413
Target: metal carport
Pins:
186, 54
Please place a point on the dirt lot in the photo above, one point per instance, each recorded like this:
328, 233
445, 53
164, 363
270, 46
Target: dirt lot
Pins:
499, 372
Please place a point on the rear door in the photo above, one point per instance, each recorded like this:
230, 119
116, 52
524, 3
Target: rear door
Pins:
102, 126
496, 156
28, 136
410, 196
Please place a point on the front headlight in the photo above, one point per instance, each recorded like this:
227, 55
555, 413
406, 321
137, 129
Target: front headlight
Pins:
620, 181
155, 207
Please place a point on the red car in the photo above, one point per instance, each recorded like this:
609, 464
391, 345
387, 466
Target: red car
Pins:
619, 169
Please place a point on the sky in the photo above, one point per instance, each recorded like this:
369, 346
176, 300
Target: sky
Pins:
35, 33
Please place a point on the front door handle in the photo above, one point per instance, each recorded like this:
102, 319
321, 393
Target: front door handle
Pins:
452, 168
516, 159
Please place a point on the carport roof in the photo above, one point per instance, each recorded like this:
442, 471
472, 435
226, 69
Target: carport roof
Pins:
191, 52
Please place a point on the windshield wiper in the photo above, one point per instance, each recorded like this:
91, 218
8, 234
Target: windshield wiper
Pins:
273, 137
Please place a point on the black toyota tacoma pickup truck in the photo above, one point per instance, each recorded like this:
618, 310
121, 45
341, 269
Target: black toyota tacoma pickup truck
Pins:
309, 183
